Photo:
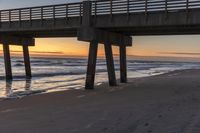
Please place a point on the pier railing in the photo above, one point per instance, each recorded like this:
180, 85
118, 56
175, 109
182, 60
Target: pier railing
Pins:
42, 12
133, 6
99, 7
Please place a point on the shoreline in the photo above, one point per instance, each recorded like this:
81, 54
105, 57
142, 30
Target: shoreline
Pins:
62, 74
41, 92
158, 104
97, 85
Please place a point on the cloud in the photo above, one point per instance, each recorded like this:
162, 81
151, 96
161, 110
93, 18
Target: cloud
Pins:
42, 52
38, 52
180, 53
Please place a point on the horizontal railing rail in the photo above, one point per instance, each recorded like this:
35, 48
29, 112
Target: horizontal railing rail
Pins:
99, 7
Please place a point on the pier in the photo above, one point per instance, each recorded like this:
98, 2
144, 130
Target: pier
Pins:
107, 22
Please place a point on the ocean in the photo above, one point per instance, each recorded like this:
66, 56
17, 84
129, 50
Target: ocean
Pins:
58, 74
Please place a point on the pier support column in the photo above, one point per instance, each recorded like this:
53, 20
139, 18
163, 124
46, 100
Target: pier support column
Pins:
110, 64
27, 61
123, 65
91, 68
7, 61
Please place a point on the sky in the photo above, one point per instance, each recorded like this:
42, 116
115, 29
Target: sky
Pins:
183, 47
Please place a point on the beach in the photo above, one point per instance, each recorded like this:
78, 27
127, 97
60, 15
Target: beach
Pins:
62, 64
167, 103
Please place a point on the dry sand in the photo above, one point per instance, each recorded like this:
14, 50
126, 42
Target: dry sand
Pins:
168, 103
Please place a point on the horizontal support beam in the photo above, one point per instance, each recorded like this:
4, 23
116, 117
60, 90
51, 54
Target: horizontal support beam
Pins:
15, 40
89, 34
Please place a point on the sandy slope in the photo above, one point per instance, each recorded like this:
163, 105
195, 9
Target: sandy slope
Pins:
168, 103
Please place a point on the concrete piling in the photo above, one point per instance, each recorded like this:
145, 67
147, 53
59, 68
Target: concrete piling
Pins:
7, 61
110, 64
91, 67
123, 64
27, 61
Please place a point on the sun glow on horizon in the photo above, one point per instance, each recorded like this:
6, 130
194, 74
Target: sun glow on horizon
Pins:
59, 47
144, 46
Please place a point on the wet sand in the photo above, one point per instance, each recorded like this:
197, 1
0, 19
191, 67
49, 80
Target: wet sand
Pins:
168, 103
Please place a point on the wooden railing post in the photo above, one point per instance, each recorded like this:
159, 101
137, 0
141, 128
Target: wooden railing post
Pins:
0, 19
54, 16
80, 12
111, 9
187, 10
128, 2
146, 6
30, 17
9, 12
166, 9
67, 13
20, 14
42, 16
187, 5
95, 10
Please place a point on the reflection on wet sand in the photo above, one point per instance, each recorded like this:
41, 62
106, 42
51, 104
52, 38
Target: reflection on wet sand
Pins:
25, 87
9, 90
28, 84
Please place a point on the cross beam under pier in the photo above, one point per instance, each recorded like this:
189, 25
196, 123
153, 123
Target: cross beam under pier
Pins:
16, 40
88, 34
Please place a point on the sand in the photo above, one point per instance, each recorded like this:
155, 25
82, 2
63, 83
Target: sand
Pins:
168, 103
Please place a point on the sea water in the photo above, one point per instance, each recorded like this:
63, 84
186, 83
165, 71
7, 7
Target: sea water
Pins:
58, 74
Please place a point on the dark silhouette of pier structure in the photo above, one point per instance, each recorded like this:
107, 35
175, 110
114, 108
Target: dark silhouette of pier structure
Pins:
109, 22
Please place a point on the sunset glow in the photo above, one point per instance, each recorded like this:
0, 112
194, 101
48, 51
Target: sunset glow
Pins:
144, 46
